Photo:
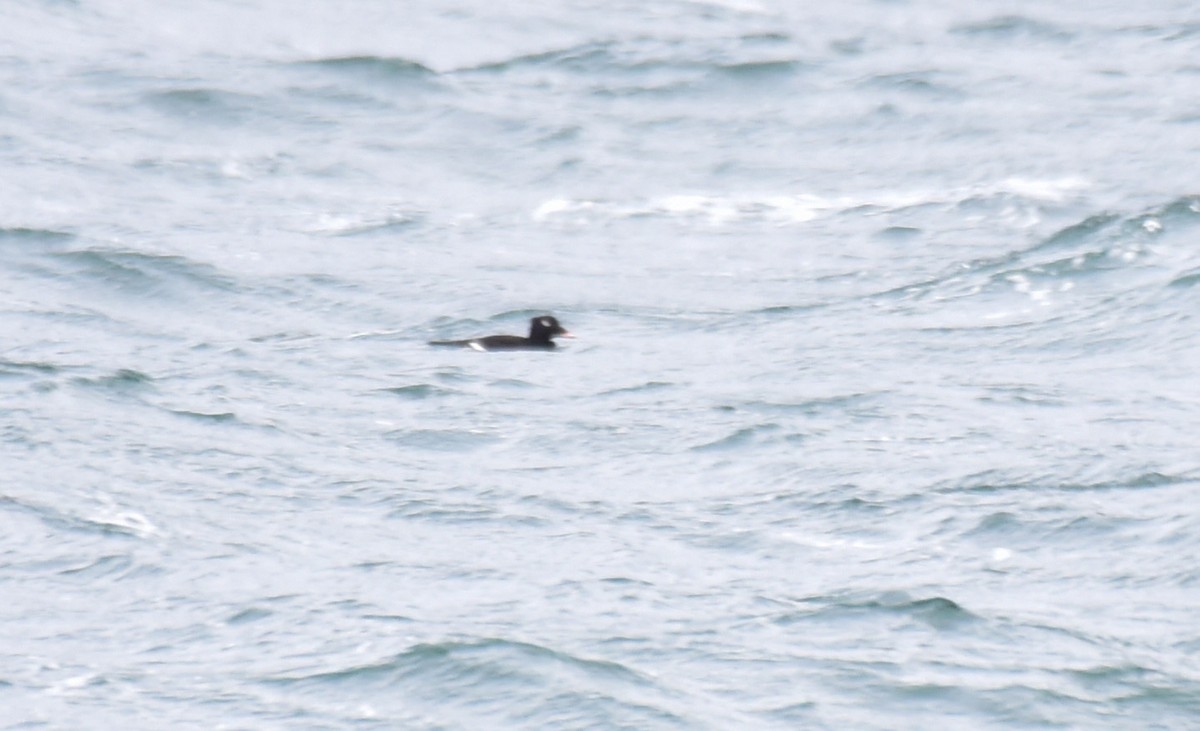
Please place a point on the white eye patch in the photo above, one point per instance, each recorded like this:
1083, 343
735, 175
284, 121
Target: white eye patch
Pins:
545, 322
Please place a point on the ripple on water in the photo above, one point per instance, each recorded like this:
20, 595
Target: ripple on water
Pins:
20, 368
34, 239
205, 105
419, 391
937, 611
443, 440
124, 380
507, 682
141, 273
741, 437
388, 69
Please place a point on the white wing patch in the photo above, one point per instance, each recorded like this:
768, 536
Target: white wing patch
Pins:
476, 345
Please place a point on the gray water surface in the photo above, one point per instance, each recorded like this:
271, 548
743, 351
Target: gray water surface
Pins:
882, 413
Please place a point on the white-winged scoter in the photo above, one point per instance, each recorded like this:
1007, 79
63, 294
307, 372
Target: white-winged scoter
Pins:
542, 330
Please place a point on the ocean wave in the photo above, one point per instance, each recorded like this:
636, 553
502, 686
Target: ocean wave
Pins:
419, 391
196, 105
749, 54
442, 440
632, 67
795, 208
388, 221
938, 611
123, 380
42, 239
381, 67
139, 272
1099, 247
466, 666
1006, 28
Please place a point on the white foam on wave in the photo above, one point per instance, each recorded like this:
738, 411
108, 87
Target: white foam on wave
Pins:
712, 209
128, 521
1053, 190
343, 224
795, 208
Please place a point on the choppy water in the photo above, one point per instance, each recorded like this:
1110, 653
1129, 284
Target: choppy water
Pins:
883, 414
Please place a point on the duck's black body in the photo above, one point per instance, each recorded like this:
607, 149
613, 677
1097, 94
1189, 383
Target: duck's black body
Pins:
542, 331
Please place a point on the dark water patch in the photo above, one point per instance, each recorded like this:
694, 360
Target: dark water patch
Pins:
1140, 481
849, 46
248, 615
282, 337
419, 391
1009, 28
899, 234
1186, 281
1001, 523
923, 83
442, 440
938, 612
390, 618
751, 71
391, 69
37, 239
103, 566
785, 310
515, 384
769, 38
15, 368
647, 387
220, 417
626, 581
1186, 208
213, 106
738, 439
122, 381
1084, 231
